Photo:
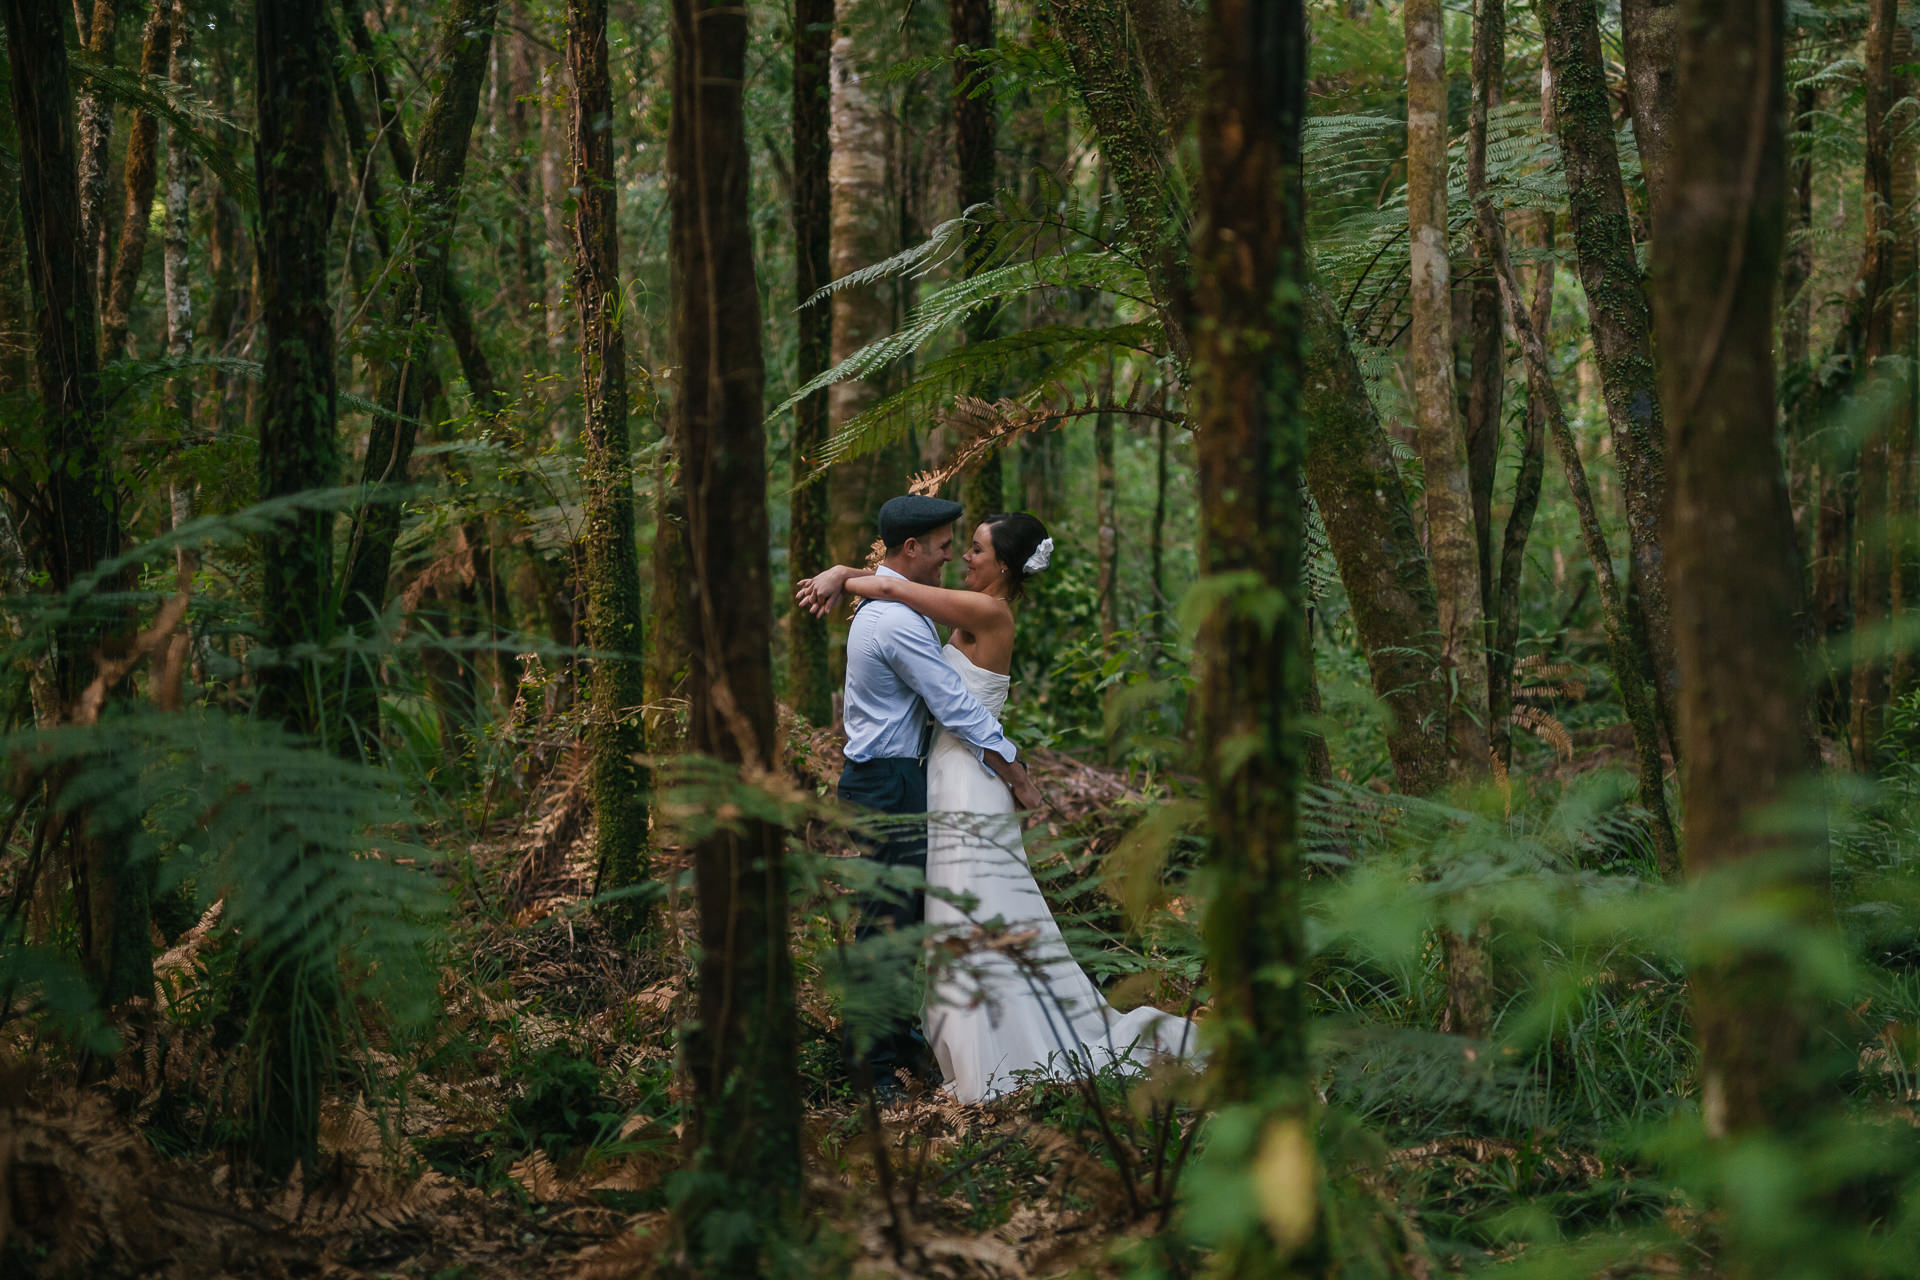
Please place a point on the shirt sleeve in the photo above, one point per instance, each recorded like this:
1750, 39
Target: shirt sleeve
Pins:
908, 644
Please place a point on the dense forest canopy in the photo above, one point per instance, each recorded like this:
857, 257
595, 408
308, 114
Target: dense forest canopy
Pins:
1438, 493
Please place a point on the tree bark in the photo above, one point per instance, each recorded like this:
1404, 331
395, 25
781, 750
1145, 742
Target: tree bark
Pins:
1888, 307
615, 626
974, 120
741, 1051
400, 374
860, 177
1621, 323
299, 452
16, 314
1634, 694
1451, 539
1248, 368
1649, 36
1743, 707
139, 177
1105, 512
174, 252
809, 672
1484, 401
1513, 543
97, 31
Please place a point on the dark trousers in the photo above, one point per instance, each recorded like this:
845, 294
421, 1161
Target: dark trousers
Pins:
896, 786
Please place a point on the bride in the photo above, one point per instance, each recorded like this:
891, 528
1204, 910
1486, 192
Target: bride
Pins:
1014, 1000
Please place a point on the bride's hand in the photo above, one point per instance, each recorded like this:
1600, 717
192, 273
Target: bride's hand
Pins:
818, 595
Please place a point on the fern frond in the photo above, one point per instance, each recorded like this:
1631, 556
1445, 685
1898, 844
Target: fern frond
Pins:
942, 379
192, 120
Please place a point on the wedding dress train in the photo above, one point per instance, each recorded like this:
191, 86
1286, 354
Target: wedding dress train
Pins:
992, 1013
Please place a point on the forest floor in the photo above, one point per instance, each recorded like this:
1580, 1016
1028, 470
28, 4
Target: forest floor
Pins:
533, 1127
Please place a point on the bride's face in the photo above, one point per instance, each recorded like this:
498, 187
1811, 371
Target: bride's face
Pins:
984, 571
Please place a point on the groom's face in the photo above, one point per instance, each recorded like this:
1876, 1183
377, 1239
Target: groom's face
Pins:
931, 556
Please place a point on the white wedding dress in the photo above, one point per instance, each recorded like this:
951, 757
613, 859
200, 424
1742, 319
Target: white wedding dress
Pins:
992, 1013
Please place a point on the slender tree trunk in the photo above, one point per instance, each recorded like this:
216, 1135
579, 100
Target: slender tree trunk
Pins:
76, 523
1349, 465
1796, 318
860, 175
741, 1051
1634, 694
1247, 369
1888, 306
299, 452
97, 31
1487, 384
1650, 37
1157, 539
174, 250
1451, 539
809, 672
16, 313
1513, 544
1743, 709
414, 308
615, 629
1105, 510
1371, 526
140, 175
974, 120
1621, 323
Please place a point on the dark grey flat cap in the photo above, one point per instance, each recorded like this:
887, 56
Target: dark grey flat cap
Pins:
912, 516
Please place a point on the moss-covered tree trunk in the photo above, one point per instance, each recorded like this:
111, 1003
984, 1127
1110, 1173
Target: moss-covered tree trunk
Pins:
615, 626
176, 283
1484, 397
809, 673
138, 179
1349, 465
1451, 540
299, 453
1621, 323
1888, 309
1247, 367
1519, 527
414, 309
740, 1052
74, 522
99, 23
1737, 585
1635, 696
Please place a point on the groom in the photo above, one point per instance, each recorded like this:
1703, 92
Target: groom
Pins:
898, 688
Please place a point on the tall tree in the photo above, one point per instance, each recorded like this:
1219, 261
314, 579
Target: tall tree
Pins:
615, 626
741, 1049
1649, 37
299, 453
414, 309
861, 176
974, 121
1887, 305
73, 520
1482, 402
1247, 368
1350, 465
138, 178
1451, 539
1736, 574
176, 284
98, 26
1617, 308
809, 674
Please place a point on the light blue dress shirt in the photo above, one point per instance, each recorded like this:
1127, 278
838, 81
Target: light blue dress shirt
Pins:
896, 678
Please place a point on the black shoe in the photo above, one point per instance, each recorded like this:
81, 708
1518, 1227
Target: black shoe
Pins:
888, 1091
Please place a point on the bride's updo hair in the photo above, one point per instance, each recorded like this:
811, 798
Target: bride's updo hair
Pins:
1017, 537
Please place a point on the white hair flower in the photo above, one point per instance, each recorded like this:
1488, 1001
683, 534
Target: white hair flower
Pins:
1042, 557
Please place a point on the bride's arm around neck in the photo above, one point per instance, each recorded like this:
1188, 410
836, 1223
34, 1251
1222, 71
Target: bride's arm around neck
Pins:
972, 611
